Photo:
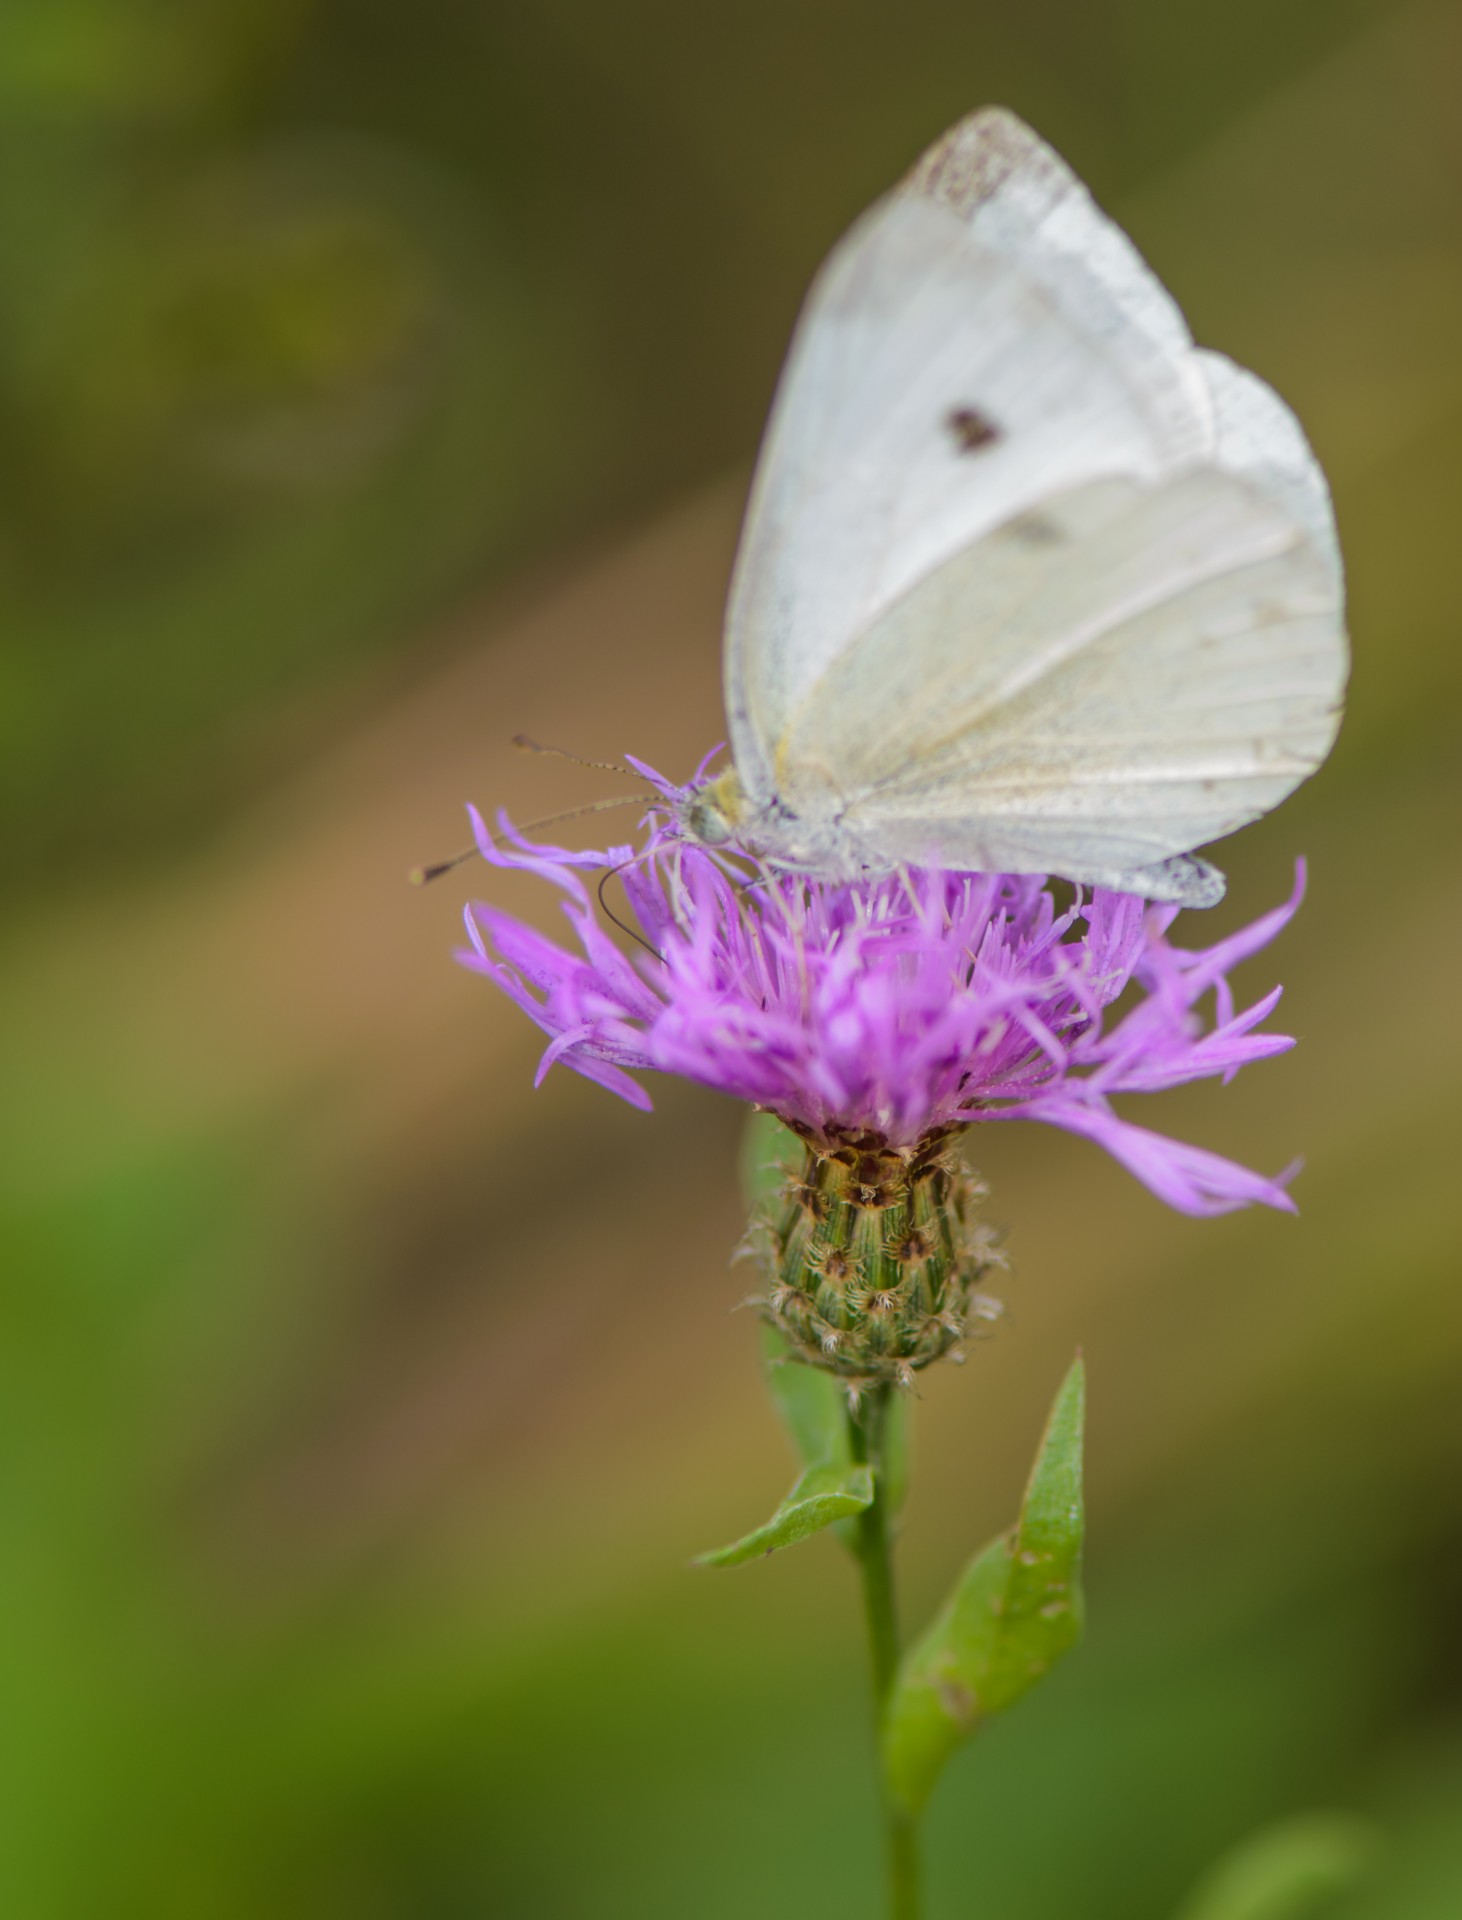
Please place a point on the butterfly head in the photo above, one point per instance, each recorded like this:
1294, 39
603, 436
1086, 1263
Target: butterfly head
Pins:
714, 813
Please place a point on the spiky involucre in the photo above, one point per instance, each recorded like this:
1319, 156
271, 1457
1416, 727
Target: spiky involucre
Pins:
872, 1256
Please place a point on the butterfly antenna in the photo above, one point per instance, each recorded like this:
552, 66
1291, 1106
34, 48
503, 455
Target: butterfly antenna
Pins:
525, 745
419, 876
604, 880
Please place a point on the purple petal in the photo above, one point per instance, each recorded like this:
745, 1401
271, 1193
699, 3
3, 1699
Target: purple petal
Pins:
1188, 1178
894, 1005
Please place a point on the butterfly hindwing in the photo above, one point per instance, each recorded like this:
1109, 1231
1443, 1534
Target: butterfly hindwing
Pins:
1134, 672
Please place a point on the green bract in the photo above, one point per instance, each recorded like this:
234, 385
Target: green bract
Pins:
871, 1255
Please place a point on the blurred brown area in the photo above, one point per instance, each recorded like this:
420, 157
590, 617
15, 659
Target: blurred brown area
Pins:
376, 387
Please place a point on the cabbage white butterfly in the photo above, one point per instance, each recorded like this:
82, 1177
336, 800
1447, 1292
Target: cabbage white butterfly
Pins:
1028, 581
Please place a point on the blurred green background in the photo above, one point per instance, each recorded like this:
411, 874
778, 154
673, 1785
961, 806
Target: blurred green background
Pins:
377, 381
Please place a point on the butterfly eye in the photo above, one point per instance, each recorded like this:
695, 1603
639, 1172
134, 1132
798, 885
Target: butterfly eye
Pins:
711, 814
706, 822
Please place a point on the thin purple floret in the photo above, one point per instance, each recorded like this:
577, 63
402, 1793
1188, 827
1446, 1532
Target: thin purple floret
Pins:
898, 1007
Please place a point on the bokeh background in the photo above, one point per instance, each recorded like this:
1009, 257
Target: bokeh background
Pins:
378, 381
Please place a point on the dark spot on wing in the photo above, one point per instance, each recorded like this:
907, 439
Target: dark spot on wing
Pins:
971, 429
1034, 529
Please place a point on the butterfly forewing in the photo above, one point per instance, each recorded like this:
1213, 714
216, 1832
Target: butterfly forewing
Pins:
944, 376
1027, 580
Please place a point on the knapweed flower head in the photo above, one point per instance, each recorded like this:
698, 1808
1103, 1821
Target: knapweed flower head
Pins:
886, 1012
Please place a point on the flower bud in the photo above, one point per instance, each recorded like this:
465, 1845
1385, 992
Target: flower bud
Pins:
872, 1254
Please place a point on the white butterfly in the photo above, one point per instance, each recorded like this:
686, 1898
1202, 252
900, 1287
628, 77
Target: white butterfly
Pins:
1028, 582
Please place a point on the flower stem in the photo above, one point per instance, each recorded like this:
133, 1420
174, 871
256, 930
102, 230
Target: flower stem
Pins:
874, 1550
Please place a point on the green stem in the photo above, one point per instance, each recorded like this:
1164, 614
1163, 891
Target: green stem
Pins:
874, 1550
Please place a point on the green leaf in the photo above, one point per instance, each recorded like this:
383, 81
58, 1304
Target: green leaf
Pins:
1287, 1872
1016, 1610
813, 1406
823, 1494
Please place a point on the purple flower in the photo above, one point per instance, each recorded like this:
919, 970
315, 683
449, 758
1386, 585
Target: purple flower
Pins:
896, 1007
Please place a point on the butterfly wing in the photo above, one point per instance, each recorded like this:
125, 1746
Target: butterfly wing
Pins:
1101, 633
1257, 436
981, 339
1128, 672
